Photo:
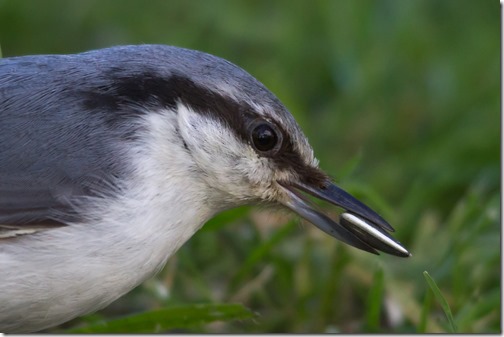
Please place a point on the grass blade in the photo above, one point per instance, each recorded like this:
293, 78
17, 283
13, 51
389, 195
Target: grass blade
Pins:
441, 300
180, 317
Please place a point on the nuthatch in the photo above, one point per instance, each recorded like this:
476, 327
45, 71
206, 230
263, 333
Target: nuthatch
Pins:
111, 159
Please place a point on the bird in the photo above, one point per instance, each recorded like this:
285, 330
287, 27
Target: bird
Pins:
111, 159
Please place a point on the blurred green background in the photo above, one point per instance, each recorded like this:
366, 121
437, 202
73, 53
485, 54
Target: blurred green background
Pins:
400, 100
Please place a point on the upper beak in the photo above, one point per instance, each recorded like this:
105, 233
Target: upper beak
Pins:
360, 226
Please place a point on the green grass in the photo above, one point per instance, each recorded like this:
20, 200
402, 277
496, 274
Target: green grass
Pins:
400, 100
442, 301
166, 319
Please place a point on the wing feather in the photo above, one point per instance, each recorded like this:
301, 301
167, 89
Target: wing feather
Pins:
54, 148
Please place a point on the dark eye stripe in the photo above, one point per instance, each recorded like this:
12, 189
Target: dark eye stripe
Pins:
124, 96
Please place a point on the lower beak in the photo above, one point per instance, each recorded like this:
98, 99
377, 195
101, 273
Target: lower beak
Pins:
359, 226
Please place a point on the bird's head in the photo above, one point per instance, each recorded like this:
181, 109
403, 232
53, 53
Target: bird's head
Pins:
247, 147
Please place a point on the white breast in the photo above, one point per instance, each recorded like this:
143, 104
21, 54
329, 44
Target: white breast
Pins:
52, 276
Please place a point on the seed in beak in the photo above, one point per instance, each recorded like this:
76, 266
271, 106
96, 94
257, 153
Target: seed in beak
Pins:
372, 235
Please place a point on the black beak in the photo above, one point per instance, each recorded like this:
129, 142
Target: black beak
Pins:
360, 226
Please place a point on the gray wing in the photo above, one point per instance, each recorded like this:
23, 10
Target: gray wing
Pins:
53, 149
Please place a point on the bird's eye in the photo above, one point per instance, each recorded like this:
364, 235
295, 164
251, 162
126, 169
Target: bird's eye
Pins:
265, 137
